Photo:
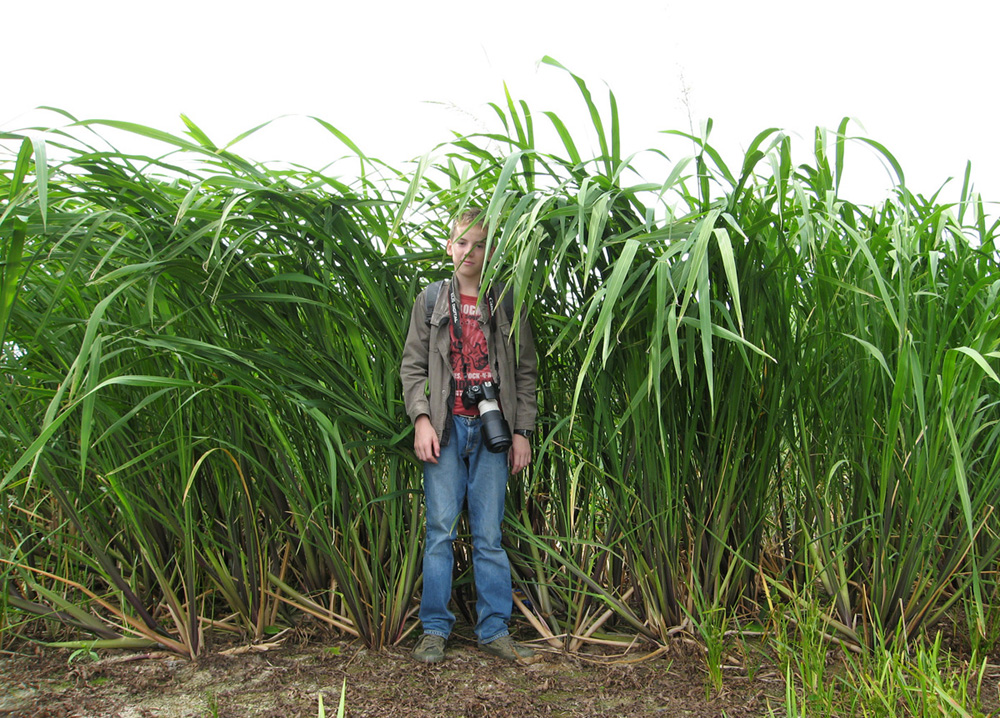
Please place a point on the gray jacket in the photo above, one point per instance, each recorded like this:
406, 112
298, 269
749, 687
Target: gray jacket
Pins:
428, 384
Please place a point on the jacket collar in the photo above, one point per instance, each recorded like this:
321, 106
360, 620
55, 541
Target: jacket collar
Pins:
442, 310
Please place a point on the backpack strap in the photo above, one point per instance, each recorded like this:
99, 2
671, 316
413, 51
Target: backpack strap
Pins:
431, 297
508, 305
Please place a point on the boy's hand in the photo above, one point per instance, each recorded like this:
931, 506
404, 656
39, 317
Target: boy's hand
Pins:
519, 455
425, 440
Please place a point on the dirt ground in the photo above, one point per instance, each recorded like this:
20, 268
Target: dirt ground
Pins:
287, 681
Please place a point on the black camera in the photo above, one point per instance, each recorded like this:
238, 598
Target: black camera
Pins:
496, 432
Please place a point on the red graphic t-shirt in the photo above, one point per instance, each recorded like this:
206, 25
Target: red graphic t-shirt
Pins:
471, 365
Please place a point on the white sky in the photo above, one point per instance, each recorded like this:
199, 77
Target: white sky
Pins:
397, 77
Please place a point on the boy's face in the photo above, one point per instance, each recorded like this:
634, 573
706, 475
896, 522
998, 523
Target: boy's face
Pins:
468, 252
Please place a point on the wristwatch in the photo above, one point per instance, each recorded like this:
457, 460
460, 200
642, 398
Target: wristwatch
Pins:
526, 433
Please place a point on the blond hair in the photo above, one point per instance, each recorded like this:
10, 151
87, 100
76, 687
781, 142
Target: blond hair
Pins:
466, 219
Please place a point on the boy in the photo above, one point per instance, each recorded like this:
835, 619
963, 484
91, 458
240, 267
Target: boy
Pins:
440, 360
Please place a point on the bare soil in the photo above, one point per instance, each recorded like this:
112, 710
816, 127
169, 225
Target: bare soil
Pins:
288, 679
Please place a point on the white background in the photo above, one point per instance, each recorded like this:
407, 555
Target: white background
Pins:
397, 77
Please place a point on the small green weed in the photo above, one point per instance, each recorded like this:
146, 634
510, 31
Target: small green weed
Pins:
81, 655
341, 708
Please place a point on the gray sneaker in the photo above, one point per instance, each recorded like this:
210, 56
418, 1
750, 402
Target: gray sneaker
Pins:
505, 648
429, 649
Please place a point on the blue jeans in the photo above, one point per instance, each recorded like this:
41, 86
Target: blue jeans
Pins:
466, 471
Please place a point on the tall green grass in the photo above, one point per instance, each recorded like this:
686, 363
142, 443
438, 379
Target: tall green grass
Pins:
202, 404
755, 393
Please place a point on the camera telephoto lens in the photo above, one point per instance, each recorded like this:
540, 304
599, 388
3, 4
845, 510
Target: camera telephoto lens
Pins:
496, 432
